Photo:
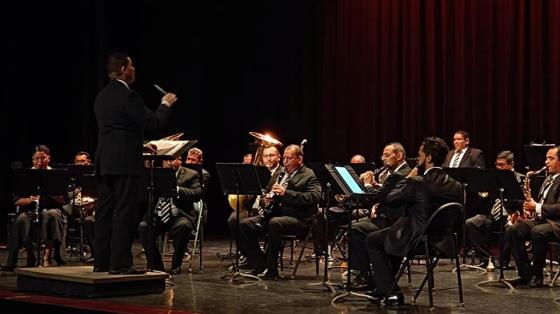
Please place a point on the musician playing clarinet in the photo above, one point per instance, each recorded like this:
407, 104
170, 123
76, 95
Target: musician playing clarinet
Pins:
291, 203
543, 228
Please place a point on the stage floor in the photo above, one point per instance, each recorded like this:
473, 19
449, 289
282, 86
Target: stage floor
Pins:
203, 291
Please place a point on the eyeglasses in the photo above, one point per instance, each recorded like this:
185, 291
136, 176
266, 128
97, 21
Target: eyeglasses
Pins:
42, 158
501, 164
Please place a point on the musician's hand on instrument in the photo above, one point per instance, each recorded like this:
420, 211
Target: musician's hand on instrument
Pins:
367, 177
278, 189
373, 213
529, 205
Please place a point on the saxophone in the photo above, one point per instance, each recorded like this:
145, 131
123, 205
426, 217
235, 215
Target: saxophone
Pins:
526, 215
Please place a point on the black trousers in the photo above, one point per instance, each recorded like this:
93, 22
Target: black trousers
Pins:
180, 229
385, 266
115, 220
359, 259
250, 229
478, 230
539, 232
88, 225
24, 232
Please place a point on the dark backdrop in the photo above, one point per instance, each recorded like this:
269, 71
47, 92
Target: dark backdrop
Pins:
349, 76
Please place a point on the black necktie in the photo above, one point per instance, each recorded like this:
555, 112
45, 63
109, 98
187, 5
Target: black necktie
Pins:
545, 186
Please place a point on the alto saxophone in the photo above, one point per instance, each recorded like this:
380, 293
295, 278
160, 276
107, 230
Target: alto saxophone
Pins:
527, 215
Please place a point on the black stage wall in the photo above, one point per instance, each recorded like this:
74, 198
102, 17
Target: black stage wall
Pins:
349, 76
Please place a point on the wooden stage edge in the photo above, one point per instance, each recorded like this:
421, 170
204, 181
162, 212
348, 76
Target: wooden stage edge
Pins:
81, 281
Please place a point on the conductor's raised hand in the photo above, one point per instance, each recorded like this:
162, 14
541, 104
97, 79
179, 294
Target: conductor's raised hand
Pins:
169, 99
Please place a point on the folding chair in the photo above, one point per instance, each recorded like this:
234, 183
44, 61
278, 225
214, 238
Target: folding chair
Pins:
443, 225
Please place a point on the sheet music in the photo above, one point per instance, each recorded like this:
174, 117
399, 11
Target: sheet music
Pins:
173, 148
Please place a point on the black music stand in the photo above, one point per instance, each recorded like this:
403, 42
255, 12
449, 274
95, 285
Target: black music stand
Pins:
508, 189
42, 182
534, 154
473, 180
346, 179
327, 199
240, 179
77, 173
160, 182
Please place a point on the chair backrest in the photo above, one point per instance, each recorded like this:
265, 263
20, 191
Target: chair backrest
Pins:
444, 221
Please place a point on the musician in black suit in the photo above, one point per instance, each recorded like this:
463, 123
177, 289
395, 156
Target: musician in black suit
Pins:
545, 227
271, 159
463, 155
122, 118
425, 189
182, 219
39, 217
478, 227
382, 216
293, 196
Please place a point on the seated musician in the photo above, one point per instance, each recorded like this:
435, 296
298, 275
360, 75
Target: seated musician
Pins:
382, 216
180, 218
336, 217
291, 200
88, 221
543, 228
478, 227
425, 189
271, 159
39, 218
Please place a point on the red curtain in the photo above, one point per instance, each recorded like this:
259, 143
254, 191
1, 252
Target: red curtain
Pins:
400, 70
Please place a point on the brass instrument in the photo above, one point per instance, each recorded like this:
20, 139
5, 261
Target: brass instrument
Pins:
526, 215
262, 141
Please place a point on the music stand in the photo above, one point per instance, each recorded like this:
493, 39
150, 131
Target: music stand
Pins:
508, 188
77, 174
240, 179
345, 177
534, 154
161, 182
326, 201
477, 181
43, 182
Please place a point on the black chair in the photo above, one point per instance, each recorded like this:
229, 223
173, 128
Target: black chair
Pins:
438, 239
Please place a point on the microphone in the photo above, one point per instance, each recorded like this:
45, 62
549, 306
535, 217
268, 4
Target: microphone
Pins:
303, 142
161, 90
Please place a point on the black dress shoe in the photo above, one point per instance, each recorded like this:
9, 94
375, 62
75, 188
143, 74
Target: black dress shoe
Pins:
270, 274
100, 269
31, 262
535, 282
175, 271
259, 271
127, 271
520, 281
394, 300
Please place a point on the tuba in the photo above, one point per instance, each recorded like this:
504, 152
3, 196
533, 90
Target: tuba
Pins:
262, 141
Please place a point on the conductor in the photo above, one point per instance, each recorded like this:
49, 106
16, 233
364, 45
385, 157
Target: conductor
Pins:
122, 118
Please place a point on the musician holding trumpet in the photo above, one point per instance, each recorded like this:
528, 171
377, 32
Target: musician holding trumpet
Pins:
543, 228
379, 184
